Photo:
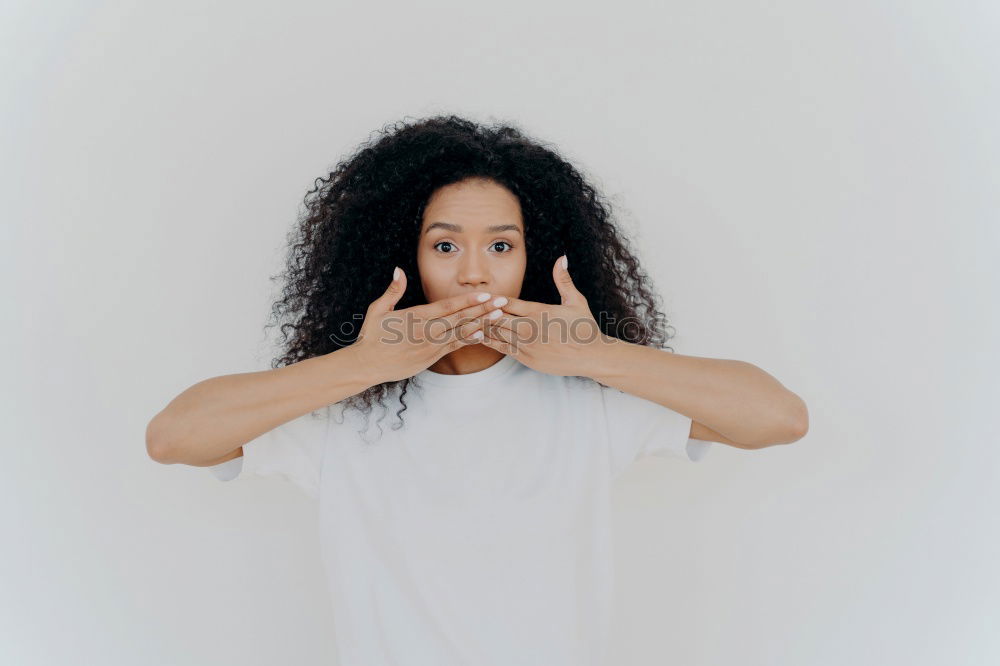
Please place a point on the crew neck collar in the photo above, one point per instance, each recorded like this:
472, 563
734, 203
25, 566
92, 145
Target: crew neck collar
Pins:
501, 367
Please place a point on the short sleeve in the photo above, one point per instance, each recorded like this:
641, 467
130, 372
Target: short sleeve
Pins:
637, 427
293, 450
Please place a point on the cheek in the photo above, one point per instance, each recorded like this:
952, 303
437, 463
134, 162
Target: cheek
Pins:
517, 268
512, 275
431, 277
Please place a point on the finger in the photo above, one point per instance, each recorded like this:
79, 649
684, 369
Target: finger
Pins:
514, 329
387, 301
450, 305
497, 319
520, 306
478, 311
441, 328
499, 345
462, 332
467, 334
499, 331
564, 283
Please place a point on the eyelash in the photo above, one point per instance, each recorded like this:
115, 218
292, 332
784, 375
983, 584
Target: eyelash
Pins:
491, 245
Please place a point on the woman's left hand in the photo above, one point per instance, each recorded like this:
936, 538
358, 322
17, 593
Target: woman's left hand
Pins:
560, 339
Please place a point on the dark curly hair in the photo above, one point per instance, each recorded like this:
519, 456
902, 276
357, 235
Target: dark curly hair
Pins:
365, 217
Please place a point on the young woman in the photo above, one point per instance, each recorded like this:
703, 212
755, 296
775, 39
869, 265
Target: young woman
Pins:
430, 275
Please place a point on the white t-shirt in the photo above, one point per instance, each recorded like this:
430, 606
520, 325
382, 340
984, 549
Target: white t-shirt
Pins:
479, 533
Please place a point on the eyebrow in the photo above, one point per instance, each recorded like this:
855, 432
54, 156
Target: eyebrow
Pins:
457, 228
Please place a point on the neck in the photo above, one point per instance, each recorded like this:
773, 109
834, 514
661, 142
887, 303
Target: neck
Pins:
464, 360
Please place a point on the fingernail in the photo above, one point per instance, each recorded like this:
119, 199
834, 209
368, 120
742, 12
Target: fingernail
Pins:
478, 335
395, 274
483, 297
565, 262
495, 314
500, 300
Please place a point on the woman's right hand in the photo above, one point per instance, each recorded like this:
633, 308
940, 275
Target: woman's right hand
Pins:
396, 344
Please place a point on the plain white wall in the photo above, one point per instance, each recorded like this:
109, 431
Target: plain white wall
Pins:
814, 185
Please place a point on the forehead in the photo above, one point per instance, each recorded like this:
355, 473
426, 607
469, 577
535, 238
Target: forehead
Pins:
472, 205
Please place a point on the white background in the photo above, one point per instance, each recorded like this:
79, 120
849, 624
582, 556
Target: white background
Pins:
814, 188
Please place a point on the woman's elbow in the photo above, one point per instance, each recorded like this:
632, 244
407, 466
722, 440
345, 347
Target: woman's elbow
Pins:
158, 440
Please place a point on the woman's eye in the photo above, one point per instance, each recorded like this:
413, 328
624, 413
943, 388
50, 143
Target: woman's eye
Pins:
449, 244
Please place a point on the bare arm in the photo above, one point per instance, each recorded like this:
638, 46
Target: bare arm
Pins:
728, 401
209, 422
751, 407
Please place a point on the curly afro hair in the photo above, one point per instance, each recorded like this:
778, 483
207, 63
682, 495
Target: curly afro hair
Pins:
365, 217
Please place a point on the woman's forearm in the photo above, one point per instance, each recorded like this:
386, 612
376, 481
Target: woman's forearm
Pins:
734, 398
216, 416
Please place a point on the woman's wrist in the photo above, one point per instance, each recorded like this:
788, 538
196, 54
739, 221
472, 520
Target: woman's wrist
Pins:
603, 355
350, 372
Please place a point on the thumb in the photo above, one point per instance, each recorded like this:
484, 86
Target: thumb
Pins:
387, 301
564, 283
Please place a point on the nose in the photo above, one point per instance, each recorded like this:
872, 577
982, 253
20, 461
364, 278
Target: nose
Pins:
473, 271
